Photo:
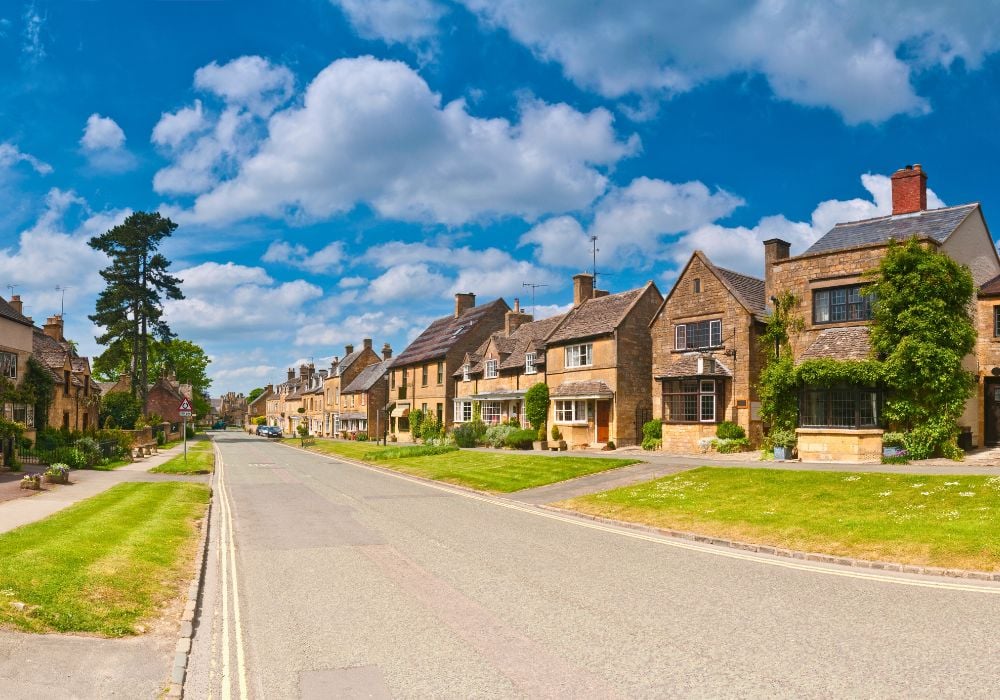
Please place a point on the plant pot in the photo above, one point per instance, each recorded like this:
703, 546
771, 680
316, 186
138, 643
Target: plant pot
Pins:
56, 479
782, 453
540, 445
559, 445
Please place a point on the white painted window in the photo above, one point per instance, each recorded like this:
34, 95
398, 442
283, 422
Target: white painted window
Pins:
702, 334
490, 411
580, 355
529, 363
707, 401
492, 370
465, 372
575, 411
463, 411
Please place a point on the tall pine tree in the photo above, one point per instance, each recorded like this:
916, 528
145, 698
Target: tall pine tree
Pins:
130, 308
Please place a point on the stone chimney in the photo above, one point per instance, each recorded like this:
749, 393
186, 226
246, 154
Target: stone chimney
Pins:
367, 342
54, 327
386, 352
348, 349
463, 302
514, 318
17, 304
291, 373
774, 249
909, 190
583, 288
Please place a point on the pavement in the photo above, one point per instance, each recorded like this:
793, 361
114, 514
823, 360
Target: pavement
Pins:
330, 579
52, 666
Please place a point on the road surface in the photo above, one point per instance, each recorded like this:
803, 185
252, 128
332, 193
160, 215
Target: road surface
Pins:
329, 579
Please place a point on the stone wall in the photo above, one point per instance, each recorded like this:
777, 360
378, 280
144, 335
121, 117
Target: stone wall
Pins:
840, 445
635, 364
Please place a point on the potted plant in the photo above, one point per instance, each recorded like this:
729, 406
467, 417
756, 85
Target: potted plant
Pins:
57, 473
32, 481
560, 444
541, 443
783, 440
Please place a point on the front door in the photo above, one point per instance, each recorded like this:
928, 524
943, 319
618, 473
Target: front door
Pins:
603, 420
992, 411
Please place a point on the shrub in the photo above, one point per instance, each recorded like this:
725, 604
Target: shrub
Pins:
260, 420
416, 422
536, 405
496, 435
731, 445
75, 458
556, 435
651, 443
781, 437
362, 437
611, 445
469, 434
520, 439
90, 448
121, 408
430, 429
161, 438
728, 430
189, 431
541, 433
652, 430
121, 438
890, 439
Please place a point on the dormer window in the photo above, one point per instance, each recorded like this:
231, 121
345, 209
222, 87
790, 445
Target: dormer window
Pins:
529, 363
492, 369
465, 372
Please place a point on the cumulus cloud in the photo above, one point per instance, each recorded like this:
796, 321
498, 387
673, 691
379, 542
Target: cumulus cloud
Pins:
856, 57
393, 21
11, 155
103, 142
175, 127
325, 260
351, 329
372, 132
631, 224
249, 81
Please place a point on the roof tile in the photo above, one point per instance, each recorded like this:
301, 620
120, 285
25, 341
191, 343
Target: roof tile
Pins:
938, 224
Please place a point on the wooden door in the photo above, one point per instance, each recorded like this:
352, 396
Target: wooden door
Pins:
603, 420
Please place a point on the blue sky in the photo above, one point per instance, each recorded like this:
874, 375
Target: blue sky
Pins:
339, 168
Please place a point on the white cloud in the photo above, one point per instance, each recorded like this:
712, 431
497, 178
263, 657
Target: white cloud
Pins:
174, 128
351, 329
352, 282
33, 46
393, 21
103, 142
11, 155
856, 57
372, 132
630, 223
249, 81
325, 260
406, 281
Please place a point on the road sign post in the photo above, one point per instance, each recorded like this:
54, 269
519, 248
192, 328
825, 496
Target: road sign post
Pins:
185, 412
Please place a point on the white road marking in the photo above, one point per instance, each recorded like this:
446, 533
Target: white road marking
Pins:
670, 542
227, 554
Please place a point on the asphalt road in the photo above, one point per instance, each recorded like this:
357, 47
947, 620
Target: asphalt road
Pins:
350, 582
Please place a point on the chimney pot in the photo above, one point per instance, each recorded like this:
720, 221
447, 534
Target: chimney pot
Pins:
909, 190
386, 351
463, 302
291, 373
348, 349
17, 304
54, 327
583, 288
367, 342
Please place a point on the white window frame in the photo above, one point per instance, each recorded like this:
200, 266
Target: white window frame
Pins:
465, 372
492, 369
572, 411
714, 333
706, 398
490, 412
529, 363
463, 410
580, 355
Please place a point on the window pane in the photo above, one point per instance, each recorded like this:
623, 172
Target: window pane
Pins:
821, 306
680, 338
708, 407
838, 305
716, 328
708, 386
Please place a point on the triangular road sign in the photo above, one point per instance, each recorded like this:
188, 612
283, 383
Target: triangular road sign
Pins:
185, 405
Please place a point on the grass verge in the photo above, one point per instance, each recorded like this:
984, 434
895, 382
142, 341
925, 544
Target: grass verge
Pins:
200, 460
946, 521
105, 564
500, 472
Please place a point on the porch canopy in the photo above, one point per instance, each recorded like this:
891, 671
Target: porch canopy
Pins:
498, 395
693, 365
402, 410
583, 389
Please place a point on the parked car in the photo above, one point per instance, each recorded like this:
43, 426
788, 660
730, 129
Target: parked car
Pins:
273, 431
261, 429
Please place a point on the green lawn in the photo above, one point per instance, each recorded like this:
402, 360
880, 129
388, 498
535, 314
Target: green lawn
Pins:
948, 521
105, 564
200, 459
501, 472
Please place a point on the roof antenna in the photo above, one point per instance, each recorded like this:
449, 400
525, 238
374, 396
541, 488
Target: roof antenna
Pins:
11, 288
533, 287
62, 302
593, 243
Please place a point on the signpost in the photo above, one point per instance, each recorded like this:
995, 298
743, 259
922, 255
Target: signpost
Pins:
185, 412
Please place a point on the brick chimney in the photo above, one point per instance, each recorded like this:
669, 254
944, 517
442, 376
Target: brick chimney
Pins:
463, 302
348, 349
909, 190
17, 304
54, 327
583, 288
367, 342
291, 373
774, 249
386, 351
514, 318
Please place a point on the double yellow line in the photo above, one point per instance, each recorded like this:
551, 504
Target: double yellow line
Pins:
227, 563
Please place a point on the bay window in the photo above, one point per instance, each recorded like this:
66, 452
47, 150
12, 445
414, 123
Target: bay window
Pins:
490, 411
463, 411
572, 411
692, 400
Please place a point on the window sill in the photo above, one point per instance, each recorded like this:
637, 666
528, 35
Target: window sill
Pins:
577, 423
708, 348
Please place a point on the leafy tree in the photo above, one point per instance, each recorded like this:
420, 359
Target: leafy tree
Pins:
254, 393
536, 405
39, 383
120, 410
922, 330
130, 309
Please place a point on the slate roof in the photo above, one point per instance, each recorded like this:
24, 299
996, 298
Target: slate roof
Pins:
584, 387
686, 365
438, 337
353, 415
8, 312
107, 386
367, 378
528, 337
938, 224
849, 343
991, 288
750, 290
349, 360
595, 317
50, 352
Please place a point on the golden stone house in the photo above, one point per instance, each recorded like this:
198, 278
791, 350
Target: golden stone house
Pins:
258, 407
76, 396
363, 400
283, 407
706, 354
499, 372
421, 377
343, 371
598, 362
843, 423
16, 333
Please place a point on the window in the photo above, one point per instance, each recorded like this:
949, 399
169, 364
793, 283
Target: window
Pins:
996, 321
440, 412
490, 411
697, 285
423, 409
529, 363
423, 376
8, 365
440, 374
491, 369
841, 304
572, 411
692, 400
465, 372
580, 355
392, 380
463, 411
703, 334
839, 407
65, 382
21, 413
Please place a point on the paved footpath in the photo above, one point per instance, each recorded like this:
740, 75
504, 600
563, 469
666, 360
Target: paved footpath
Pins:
328, 579
53, 666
